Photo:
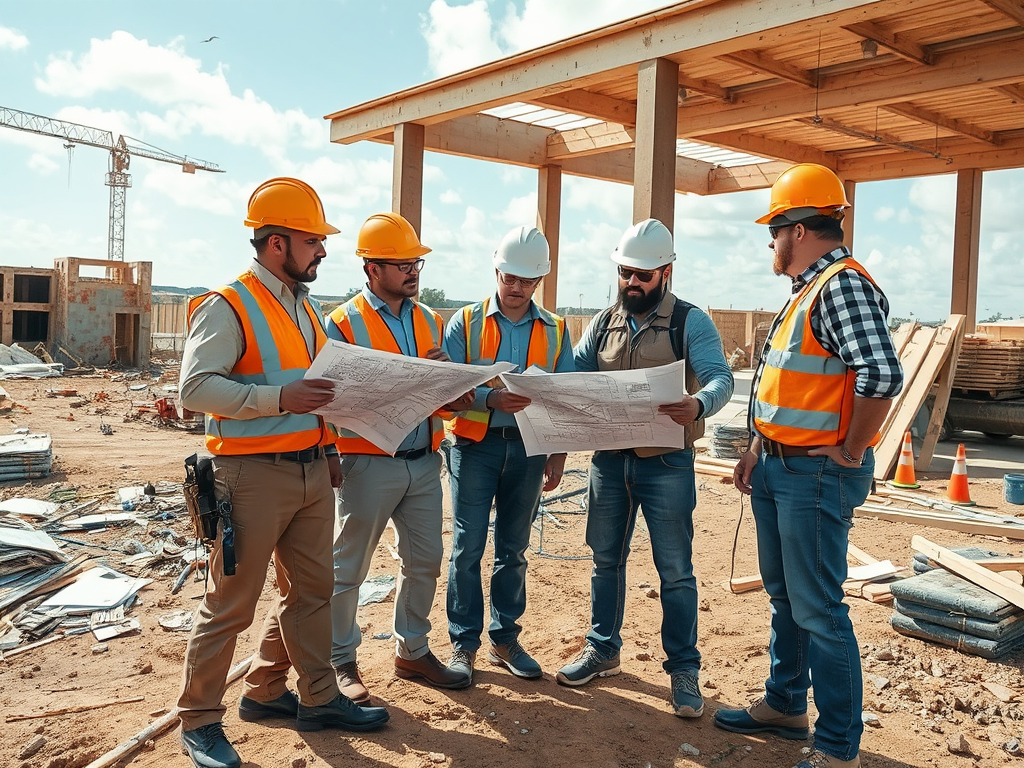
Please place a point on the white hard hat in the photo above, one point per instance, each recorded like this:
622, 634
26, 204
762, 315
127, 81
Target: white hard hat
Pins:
647, 245
523, 252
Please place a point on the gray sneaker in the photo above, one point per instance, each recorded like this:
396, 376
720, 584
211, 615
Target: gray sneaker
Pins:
588, 665
514, 657
686, 698
462, 662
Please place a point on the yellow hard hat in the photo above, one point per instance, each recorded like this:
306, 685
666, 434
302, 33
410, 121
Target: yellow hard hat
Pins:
288, 203
389, 236
805, 187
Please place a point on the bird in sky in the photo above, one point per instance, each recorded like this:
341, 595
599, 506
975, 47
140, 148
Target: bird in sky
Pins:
209, 39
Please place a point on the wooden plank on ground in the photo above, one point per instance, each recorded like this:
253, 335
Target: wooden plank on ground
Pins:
945, 522
945, 386
968, 569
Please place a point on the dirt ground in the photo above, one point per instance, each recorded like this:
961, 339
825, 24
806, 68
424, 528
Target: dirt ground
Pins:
932, 705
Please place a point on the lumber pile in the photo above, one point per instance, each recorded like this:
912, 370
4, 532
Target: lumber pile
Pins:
988, 365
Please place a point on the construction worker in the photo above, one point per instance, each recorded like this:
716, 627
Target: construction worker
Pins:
249, 344
488, 461
648, 327
820, 394
404, 488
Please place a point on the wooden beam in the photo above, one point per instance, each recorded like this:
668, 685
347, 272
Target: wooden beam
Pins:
850, 188
898, 44
620, 165
654, 171
764, 64
944, 522
787, 151
956, 155
884, 139
593, 139
1014, 91
966, 238
549, 216
705, 88
927, 117
944, 385
1011, 9
407, 174
486, 138
595, 105
743, 177
968, 569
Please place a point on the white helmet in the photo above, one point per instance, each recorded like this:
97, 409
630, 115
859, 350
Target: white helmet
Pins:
647, 245
523, 252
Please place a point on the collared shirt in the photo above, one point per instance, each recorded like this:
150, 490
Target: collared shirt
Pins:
849, 319
513, 348
401, 327
215, 343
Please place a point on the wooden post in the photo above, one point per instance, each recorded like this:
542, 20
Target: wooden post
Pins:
851, 191
654, 171
407, 183
549, 215
966, 237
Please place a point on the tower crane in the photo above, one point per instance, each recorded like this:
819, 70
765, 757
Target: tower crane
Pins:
121, 152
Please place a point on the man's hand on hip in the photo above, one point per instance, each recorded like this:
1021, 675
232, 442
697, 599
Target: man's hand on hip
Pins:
306, 395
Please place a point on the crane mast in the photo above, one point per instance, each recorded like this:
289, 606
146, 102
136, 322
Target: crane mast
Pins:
121, 152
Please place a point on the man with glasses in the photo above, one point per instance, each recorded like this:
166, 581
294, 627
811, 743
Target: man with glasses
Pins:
404, 488
648, 327
489, 462
820, 394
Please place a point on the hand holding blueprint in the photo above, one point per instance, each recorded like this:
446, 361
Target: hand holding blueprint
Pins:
600, 410
382, 396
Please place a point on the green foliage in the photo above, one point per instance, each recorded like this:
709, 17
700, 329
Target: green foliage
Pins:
434, 297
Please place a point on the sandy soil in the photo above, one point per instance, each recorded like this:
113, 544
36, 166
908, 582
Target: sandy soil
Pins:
622, 721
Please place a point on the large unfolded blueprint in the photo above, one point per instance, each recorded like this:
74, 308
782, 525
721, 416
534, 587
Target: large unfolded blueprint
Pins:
598, 411
382, 396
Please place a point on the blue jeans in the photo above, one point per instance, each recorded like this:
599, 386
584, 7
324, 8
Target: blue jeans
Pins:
498, 470
663, 486
803, 507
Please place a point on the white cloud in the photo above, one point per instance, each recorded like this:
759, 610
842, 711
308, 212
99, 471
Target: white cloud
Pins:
12, 39
450, 197
458, 37
885, 213
520, 211
42, 164
115, 121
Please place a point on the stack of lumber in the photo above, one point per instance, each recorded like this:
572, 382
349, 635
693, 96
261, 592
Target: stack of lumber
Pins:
991, 366
896, 506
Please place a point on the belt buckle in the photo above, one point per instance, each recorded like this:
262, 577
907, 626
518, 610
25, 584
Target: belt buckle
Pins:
771, 448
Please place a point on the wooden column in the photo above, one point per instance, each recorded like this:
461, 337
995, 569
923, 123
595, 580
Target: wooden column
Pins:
851, 192
966, 238
407, 183
549, 215
654, 171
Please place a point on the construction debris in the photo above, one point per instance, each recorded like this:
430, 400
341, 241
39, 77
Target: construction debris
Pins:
25, 456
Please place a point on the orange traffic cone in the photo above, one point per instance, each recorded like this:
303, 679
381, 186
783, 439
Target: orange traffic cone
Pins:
905, 469
957, 491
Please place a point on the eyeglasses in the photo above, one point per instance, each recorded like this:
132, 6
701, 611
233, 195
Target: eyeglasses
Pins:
774, 229
643, 275
526, 282
405, 267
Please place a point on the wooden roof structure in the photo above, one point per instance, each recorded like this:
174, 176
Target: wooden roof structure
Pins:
874, 89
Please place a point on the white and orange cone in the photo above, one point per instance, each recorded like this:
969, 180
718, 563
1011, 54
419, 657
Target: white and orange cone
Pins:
957, 491
905, 477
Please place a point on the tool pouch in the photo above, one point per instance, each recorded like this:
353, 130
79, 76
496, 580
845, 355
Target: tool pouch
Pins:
206, 511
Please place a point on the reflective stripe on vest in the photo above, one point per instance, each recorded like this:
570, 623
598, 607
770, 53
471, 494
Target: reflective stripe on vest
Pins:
805, 395
362, 325
483, 337
275, 354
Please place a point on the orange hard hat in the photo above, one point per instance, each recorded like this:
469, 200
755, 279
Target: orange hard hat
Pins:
389, 236
806, 190
288, 203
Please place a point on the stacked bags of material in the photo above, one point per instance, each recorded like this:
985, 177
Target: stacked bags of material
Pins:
940, 606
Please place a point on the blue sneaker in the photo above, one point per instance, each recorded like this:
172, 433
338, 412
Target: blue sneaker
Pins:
686, 698
515, 658
209, 747
588, 665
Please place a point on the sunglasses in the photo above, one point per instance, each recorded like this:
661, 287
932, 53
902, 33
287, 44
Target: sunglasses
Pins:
525, 282
774, 229
643, 275
405, 267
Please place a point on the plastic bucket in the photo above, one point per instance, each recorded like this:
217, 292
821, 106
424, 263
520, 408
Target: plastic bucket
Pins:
1013, 488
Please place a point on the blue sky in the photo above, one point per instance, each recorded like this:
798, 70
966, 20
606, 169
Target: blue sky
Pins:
252, 101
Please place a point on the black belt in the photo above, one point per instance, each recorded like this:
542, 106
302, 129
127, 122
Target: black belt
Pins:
306, 456
415, 453
506, 433
772, 448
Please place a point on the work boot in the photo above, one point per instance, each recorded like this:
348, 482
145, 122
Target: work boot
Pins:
462, 662
342, 713
588, 665
514, 657
251, 710
818, 759
209, 747
350, 683
686, 698
427, 669
760, 718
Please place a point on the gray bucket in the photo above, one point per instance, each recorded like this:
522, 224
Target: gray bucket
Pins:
1013, 488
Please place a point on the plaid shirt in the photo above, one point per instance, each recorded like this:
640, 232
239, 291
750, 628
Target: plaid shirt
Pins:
849, 320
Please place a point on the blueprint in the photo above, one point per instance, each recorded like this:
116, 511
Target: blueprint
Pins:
598, 411
382, 396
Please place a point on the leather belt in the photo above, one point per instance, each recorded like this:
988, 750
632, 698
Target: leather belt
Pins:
306, 456
506, 433
412, 455
772, 448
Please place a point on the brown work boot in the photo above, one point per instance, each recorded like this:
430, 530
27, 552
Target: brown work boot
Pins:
427, 669
818, 759
350, 683
760, 718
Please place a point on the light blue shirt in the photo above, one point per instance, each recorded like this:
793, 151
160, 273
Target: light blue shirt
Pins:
402, 329
513, 347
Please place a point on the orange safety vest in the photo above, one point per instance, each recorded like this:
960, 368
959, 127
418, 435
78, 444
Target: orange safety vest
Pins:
483, 336
360, 324
275, 354
805, 395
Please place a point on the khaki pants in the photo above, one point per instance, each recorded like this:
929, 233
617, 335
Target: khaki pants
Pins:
284, 509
